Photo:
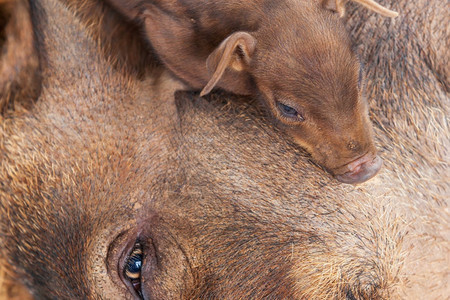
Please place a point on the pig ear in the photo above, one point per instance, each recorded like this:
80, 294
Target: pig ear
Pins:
19, 62
339, 7
234, 53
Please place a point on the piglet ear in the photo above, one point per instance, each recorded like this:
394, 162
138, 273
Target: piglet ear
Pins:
339, 7
19, 63
234, 53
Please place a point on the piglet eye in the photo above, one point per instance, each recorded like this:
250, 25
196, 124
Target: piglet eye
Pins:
289, 112
133, 266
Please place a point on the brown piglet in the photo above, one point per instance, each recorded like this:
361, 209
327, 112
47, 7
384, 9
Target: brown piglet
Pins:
295, 56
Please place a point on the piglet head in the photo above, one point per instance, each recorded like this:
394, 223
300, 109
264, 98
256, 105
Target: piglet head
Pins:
311, 81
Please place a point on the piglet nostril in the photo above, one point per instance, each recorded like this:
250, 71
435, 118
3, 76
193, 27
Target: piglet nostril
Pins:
356, 165
361, 169
353, 146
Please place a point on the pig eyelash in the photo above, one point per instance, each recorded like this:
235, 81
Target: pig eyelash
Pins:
290, 112
133, 266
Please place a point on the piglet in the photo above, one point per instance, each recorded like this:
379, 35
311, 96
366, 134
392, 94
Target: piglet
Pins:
294, 55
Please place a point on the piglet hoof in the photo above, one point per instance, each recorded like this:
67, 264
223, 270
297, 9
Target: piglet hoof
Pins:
361, 169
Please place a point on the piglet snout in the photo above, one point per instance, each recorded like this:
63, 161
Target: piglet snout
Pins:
361, 169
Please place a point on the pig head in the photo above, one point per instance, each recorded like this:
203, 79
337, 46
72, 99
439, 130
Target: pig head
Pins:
111, 188
100, 174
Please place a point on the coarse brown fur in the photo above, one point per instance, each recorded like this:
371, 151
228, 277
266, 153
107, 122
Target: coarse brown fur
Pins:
293, 55
19, 65
11, 287
120, 40
100, 161
412, 114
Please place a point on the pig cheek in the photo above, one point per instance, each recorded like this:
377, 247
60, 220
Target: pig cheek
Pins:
317, 144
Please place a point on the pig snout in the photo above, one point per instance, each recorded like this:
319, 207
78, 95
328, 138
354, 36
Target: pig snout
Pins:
361, 169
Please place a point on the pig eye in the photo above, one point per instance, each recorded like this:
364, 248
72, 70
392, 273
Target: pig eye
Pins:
289, 112
133, 266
